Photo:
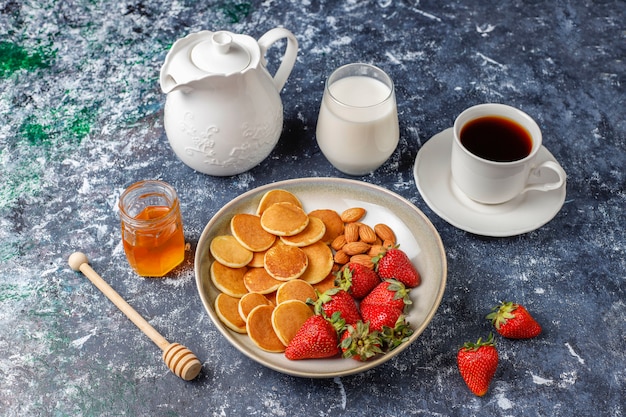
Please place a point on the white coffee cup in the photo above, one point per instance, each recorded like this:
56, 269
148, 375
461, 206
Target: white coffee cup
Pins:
492, 179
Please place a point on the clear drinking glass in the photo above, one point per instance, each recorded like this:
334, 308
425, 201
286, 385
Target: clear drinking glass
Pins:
357, 127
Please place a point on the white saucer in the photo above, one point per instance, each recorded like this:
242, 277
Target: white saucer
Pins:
524, 213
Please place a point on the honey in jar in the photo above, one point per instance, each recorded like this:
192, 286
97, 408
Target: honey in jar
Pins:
152, 228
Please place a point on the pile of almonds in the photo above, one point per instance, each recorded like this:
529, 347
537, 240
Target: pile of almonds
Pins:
360, 242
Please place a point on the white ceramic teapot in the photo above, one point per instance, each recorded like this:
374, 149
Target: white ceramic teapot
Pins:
223, 112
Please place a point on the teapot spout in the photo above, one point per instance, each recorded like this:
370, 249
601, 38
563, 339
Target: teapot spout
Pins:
176, 71
168, 83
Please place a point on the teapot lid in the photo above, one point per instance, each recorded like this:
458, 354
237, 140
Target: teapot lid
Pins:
220, 54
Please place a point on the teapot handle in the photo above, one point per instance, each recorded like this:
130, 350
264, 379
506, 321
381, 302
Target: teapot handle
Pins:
289, 58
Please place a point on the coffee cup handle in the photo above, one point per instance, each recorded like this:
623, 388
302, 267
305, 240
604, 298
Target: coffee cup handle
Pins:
546, 186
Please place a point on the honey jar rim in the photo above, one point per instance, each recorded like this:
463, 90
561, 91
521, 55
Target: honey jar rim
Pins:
144, 189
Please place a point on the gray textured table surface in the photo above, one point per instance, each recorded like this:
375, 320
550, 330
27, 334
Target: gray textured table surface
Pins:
81, 118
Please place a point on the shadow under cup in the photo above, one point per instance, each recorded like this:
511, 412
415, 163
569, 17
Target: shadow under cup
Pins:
497, 179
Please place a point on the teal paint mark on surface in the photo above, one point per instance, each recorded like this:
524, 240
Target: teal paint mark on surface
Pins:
50, 135
14, 57
8, 249
80, 124
235, 12
19, 178
36, 134
57, 128
12, 292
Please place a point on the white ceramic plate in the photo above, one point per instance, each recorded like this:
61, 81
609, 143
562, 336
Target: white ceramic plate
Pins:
524, 213
415, 234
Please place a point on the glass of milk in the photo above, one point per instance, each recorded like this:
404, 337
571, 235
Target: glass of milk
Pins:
357, 127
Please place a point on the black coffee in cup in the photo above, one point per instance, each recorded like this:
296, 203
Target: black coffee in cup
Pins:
496, 139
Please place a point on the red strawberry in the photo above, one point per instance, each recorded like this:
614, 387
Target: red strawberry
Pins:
514, 321
394, 263
359, 343
379, 315
357, 279
338, 300
478, 363
390, 292
393, 337
316, 338
389, 321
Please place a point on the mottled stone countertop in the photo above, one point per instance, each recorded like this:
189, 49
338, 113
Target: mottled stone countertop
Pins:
81, 118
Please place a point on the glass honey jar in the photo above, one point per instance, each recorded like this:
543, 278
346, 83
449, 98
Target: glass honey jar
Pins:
152, 228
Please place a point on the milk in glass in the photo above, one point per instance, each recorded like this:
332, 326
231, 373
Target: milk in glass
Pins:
357, 128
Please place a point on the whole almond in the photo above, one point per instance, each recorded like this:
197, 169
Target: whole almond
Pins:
341, 257
375, 250
388, 244
384, 232
363, 259
351, 232
366, 233
352, 214
338, 243
355, 248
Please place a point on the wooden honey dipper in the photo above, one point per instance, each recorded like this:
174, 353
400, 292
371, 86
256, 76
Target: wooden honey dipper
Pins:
178, 358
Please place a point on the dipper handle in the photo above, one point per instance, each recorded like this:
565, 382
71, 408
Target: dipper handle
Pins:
178, 358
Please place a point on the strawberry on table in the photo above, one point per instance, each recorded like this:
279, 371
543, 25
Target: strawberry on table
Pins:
478, 363
359, 342
337, 300
390, 292
316, 338
394, 263
357, 279
513, 321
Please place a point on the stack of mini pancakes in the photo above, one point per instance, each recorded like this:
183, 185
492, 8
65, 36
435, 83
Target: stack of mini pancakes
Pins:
271, 264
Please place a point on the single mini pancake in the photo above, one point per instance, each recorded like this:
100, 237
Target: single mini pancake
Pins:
285, 262
228, 280
258, 259
288, 317
276, 196
249, 301
284, 219
228, 251
313, 232
321, 262
227, 309
248, 231
332, 221
296, 289
327, 283
258, 280
261, 331
272, 297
